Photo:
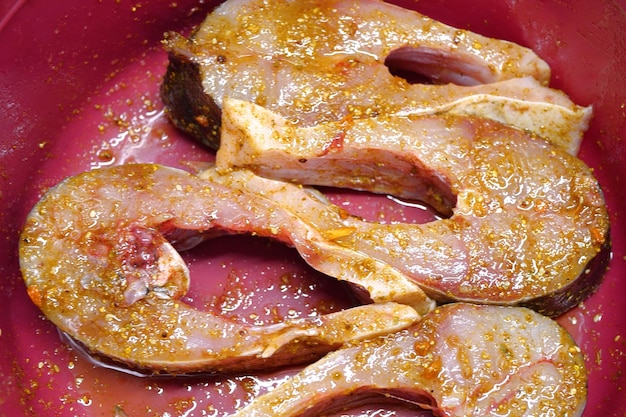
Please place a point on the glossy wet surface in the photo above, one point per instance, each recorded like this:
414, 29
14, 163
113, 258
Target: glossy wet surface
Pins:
118, 119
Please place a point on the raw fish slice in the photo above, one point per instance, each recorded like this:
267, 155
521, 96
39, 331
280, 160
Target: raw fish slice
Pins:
315, 61
96, 260
460, 360
527, 222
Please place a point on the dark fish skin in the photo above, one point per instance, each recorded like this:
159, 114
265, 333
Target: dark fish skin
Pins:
316, 61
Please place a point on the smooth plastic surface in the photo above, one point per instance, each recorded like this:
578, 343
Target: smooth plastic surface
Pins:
79, 89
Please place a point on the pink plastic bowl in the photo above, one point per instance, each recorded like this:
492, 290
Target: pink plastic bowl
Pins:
79, 89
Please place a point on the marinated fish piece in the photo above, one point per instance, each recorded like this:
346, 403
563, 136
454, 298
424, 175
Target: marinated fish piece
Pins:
460, 360
96, 260
526, 221
315, 61
315, 226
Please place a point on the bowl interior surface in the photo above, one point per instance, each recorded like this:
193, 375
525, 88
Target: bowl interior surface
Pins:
79, 90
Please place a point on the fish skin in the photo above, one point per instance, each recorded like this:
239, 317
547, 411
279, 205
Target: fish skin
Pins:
315, 61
